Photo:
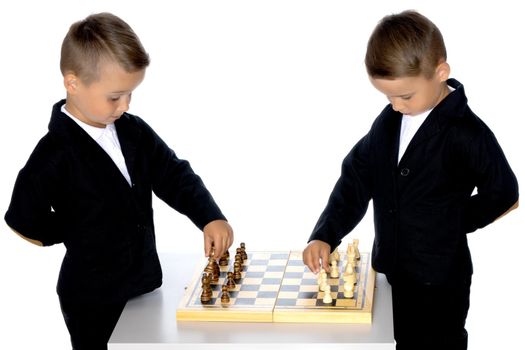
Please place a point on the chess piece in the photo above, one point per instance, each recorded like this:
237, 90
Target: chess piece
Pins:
225, 258
348, 289
351, 255
213, 269
225, 295
239, 253
322, 280
334, 270
216, 268
238, 258
349, 274
230, 282
327, 298
206, 289
355, 243
335, 256
237, 271
244, 255
322, 275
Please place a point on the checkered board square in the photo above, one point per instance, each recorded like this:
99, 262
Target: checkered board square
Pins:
277, 287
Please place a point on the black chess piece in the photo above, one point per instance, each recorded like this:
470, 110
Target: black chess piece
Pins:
225, 296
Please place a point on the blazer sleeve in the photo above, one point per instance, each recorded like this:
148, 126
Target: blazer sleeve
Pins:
30, 211
175, 182
349, 199
497, 186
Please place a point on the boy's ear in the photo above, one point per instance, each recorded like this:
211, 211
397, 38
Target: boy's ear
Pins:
443, 71
70, 83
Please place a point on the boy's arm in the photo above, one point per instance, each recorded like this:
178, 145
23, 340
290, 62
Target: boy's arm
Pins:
349, 199
514, 206
34, 241
30, 212
497, 186
175, 182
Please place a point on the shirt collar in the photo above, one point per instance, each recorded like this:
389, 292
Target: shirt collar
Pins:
92, 131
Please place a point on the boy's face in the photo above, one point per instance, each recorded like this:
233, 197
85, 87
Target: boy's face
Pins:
415, 95
103, 101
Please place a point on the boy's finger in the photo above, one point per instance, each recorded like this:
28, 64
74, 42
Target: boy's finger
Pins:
325, 256
218, 249
207, 246
310, 261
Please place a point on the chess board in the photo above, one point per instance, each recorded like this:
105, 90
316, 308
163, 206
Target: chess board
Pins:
277, 287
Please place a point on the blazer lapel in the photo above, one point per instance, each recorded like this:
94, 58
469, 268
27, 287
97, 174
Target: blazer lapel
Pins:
87, 150
428, 129
129, 138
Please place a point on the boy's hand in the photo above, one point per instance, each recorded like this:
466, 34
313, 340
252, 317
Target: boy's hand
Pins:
218, 237
316, 255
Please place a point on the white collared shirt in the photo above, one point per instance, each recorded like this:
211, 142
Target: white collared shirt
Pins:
107, 139
409, 126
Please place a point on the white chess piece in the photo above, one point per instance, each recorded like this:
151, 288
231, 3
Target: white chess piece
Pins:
348, 289
327, 298
322, 280
334, 270
355, 243
349, 274
351, 258
322, 275
335, 256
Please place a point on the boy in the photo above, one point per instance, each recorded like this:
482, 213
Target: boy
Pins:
89, 182
419, 163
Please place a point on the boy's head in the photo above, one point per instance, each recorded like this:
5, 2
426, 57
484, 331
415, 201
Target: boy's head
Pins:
97, 39
406, 60
102, 61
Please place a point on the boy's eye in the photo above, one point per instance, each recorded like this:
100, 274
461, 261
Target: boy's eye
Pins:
114, 99
406, 97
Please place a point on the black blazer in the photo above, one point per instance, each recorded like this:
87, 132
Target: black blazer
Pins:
424, 206
71, 191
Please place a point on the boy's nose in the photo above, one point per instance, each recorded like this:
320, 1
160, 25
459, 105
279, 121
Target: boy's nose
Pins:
123, 105
396, 104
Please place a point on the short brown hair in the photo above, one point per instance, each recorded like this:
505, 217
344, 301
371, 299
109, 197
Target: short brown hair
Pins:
404, 45
99, 37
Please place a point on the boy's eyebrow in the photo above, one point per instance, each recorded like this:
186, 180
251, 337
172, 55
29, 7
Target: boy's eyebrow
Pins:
120, 92
403, 95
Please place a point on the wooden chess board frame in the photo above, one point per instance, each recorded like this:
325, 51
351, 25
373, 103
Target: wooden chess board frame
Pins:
277, 287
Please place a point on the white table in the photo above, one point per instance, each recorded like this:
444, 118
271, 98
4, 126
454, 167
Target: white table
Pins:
149, 322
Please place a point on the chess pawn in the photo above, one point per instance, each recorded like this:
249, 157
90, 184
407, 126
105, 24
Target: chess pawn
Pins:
238, 258
237, 271
322, 276
348, 290
230, 282
206, 289
324, 286
334, 271
244, 255
327, 298
224, 260
322, 280
225, 296
239, 253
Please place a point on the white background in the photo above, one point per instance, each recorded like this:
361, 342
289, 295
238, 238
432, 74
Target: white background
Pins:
265, 98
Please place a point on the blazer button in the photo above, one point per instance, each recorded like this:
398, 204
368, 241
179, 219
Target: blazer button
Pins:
405, 172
